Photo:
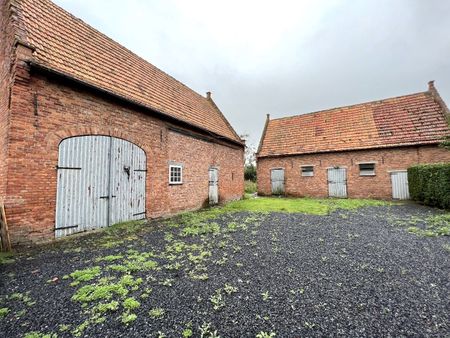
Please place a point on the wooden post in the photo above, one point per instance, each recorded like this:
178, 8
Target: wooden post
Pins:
4, 233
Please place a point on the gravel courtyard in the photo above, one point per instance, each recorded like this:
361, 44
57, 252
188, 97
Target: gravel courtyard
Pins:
369, 271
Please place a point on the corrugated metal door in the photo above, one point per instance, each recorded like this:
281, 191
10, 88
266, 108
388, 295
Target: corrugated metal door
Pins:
94, 188
213, 186
277, 181
337, 182
400, 189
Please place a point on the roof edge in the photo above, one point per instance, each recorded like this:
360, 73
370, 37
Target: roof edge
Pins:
388, 146
263, 135
211, 101
129, 100
437, 97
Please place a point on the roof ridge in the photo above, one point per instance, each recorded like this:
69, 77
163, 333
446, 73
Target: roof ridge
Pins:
349, 106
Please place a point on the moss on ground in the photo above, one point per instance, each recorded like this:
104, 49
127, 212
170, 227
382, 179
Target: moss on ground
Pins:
436, 225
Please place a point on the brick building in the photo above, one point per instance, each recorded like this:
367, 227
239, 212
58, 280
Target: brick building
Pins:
357, 151
91, 134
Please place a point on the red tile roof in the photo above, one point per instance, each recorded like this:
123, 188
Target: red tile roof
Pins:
65, 44
400, 121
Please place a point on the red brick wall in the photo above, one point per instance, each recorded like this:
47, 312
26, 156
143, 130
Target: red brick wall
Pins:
64, 110
378, 186
6, 42
196, 157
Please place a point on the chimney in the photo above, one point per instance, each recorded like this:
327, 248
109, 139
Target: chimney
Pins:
431, 85
208, 95
268, 117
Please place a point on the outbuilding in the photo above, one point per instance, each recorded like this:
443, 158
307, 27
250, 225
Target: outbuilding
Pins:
359, 151
91, 134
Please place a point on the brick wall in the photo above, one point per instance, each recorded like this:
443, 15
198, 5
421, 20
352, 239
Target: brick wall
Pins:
197, 157
6, 42
45, 110
378, 186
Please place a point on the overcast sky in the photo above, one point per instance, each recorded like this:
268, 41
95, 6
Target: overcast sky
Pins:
284, 57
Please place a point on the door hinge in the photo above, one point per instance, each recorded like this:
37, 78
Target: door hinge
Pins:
68, 168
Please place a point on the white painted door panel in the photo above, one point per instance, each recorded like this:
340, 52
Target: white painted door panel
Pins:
400, 188
213, 186
277, 181
101, 181
337, 182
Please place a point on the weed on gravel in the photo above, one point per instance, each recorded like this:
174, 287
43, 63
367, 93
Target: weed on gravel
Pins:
253, 268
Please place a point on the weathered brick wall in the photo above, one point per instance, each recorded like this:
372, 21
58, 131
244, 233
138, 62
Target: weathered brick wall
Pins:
197, 157
6, 43
45, 110
378, 186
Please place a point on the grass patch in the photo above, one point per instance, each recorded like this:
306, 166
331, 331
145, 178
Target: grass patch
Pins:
6, 258
300, 205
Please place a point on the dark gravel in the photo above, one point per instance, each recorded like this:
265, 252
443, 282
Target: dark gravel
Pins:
354, 274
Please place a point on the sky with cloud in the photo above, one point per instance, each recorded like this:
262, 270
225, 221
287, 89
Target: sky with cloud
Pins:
284, 57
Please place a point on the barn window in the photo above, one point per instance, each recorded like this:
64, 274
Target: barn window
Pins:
307, 170
367, 169
175, 174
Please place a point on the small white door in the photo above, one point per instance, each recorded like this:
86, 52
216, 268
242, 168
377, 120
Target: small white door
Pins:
337, 182
213, 186
277, 181
400, 189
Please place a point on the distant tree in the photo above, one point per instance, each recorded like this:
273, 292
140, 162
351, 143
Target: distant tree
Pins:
250, 172
250, 159
445, 143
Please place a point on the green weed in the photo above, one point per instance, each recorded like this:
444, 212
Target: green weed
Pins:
131, 303
156, 313
84, 275
3, 312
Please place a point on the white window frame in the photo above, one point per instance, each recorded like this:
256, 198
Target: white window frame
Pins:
181, 174
366, 172
307, 166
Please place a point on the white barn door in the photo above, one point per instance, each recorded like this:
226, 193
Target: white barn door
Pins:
128, 169
400, 188
101, 181
337, 182
213, 186
277, 181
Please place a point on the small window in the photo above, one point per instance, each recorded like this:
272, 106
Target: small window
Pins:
367, 169
308, 170
175, 174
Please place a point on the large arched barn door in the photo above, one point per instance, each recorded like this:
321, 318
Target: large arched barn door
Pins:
101, 181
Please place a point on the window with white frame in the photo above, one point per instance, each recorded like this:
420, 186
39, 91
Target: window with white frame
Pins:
307, 170
175, 174
367, 169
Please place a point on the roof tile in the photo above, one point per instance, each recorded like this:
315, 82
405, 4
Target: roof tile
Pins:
405, 120
67, 45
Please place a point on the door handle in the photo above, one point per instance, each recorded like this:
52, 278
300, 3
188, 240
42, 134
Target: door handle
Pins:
104, 197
